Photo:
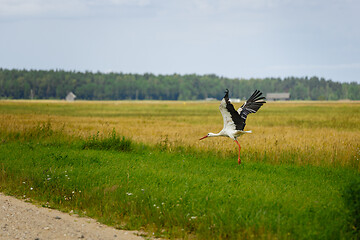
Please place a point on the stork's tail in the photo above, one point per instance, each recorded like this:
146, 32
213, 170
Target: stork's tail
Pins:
241, 132
247, 131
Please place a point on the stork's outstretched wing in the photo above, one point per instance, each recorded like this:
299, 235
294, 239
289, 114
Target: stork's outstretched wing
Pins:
252, 105
236, 119
228, 112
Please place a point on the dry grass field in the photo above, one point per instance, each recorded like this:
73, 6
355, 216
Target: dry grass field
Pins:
317, 133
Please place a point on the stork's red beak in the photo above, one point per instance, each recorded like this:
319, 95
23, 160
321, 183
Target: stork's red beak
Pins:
203, 137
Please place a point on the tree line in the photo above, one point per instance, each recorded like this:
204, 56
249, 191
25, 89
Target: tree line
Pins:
56, 84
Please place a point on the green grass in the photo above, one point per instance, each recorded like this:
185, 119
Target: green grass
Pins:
180, 193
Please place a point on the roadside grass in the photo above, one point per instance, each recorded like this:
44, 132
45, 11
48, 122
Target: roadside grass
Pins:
180, 193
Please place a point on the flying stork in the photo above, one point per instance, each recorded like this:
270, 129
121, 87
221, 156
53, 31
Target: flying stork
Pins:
234, 121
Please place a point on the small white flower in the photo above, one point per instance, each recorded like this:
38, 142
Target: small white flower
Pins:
129, 193
31, 188
193, 217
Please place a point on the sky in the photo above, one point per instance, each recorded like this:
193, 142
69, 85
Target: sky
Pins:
229, 38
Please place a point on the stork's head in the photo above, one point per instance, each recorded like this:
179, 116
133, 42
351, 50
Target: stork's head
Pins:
208, 135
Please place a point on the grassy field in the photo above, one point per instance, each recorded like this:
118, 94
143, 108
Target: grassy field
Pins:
139, 165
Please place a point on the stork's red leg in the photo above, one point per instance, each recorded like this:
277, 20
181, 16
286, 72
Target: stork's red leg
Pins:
239, 160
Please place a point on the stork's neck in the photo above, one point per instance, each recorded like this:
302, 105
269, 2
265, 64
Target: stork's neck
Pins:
215, 134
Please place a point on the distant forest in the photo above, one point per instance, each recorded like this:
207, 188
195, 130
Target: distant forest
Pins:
56, 84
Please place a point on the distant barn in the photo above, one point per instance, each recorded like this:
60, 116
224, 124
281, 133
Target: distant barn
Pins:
70, 97
278, 96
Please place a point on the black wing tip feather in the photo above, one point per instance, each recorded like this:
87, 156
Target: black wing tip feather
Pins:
256, 97
227, 96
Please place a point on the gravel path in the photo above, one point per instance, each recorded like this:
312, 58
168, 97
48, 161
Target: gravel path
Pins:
22, 220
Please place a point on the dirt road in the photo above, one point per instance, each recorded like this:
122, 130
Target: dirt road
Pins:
22, 220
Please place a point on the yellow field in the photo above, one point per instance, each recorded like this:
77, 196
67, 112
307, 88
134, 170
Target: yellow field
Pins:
318, 133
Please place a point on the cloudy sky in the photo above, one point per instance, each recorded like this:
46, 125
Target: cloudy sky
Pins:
230, 38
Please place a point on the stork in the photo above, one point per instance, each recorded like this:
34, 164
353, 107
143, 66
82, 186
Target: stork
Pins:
234, 121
